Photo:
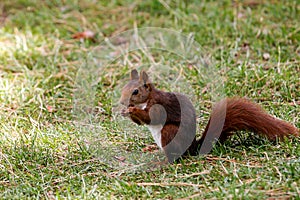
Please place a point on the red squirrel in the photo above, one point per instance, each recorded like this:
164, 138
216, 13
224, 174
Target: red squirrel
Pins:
171, 118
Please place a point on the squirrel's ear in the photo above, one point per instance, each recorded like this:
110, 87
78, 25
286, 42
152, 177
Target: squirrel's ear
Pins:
134, 74
144, 77
148, 86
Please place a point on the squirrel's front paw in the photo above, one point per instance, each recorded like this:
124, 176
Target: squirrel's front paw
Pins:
125, 112
131, 110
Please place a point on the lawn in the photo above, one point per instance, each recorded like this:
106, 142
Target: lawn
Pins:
61, 135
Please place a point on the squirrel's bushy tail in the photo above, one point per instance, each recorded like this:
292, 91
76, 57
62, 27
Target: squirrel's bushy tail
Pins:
241, 114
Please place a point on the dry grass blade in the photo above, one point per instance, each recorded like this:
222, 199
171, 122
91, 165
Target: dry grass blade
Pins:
177, 184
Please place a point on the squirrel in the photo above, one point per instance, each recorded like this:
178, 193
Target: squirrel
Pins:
171, 118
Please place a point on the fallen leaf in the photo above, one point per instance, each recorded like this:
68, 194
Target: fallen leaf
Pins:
84, 35
294, 103
267, 67
49, 108
120, 158
150, 148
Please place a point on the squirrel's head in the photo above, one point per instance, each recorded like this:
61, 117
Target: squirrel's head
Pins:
137, 90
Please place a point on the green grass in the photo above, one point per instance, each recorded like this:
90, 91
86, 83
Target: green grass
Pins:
44, 153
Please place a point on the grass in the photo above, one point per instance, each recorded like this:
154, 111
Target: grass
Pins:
46, 153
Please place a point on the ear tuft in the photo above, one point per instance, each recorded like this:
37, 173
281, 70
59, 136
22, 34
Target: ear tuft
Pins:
144, 77
148, 86
134, 74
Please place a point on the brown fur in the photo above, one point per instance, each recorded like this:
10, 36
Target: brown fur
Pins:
167, 100
177, 115
165, 108
242, 114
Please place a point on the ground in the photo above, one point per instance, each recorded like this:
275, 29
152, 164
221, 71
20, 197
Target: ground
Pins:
45, 151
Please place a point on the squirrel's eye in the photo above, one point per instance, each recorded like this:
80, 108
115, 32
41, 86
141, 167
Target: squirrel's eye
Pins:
135, 92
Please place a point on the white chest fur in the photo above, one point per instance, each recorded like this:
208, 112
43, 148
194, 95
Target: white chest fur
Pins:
143, 105
154, 129
156, 133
